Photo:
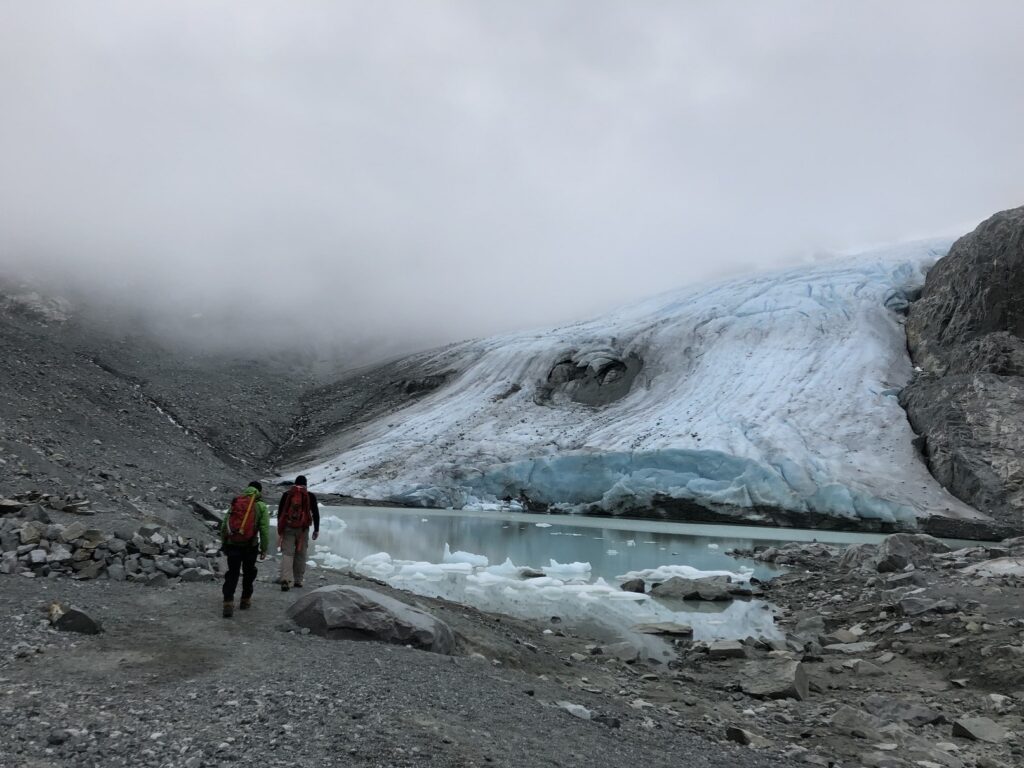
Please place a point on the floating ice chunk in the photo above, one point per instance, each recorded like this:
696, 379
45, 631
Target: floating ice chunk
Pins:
378, 566
479, 561
666, 572
612, 552
330, 560
567, 571
543, 525
712, 546
507, 569
631, 543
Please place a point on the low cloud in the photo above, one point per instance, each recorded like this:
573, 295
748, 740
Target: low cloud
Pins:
386, 175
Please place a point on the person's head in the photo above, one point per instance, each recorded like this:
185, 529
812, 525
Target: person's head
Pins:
300, 480
257, 485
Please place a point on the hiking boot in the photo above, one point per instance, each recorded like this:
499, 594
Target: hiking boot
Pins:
245, 603
229, 608
297, 584
285, 586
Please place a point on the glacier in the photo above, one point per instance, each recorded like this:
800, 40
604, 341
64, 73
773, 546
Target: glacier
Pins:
775, 391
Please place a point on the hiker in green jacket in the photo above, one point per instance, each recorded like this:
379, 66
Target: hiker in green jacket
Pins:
244, 535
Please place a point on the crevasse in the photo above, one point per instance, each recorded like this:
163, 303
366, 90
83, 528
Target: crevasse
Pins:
776, 390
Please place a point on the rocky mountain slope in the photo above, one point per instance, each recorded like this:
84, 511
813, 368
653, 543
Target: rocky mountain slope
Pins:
967, 334
99, 412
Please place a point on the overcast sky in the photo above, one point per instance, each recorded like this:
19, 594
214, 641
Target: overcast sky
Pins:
426, 171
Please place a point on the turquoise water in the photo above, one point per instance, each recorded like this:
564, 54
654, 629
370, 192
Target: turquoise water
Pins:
612, 546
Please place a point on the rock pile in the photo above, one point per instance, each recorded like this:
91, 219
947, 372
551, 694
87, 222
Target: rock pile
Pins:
34, 546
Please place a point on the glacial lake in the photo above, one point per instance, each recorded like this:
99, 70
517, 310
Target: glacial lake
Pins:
581, 558
612, 546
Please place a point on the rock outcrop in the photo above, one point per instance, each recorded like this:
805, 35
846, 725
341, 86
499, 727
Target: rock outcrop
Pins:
966, 334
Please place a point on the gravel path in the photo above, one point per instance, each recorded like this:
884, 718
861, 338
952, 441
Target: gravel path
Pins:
170, 683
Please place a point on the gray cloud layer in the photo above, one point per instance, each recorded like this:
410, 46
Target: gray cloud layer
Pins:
428, 171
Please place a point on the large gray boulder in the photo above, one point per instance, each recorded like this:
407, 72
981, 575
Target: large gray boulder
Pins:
355, 613
774, 679
677, 588
899, 550
967, 334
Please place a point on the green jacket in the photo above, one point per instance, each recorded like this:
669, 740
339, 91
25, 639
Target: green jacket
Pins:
262, 521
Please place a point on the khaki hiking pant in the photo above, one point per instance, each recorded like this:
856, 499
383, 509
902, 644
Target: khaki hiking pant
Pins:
294, 548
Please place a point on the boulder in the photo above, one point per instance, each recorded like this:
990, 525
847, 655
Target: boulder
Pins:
72, 532
168, 567
899, 550
75, 620
634, 585
206, 512
745, 737
809, 628
196, 574
909, 712
727, 649
356, 613
856, 555
851, 649
979, 729
89, 570
857, 723
678, 588
883, 760
58, 554
915, 606
35, 513
866, 669
774, 679
31, 532
9, 563
838, 636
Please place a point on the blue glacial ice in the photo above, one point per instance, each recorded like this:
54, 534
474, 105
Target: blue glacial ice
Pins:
775, 390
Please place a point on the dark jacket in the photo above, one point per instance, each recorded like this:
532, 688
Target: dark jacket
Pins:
313, 509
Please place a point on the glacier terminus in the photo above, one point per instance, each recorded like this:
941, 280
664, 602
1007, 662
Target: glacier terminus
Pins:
777, 391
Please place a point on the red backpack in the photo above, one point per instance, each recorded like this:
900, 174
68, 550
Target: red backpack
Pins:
242, 520
296, 512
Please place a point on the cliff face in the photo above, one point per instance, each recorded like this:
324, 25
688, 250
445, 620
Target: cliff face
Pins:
966, 333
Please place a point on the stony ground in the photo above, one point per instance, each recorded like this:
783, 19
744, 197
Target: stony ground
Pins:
920, 663
171, 683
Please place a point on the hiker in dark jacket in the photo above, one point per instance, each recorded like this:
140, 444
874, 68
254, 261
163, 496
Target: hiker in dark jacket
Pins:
296, 512
244, 535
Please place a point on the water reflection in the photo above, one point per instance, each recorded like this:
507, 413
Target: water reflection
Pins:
611, 551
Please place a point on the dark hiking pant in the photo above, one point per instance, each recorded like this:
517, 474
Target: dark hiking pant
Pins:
241, 557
